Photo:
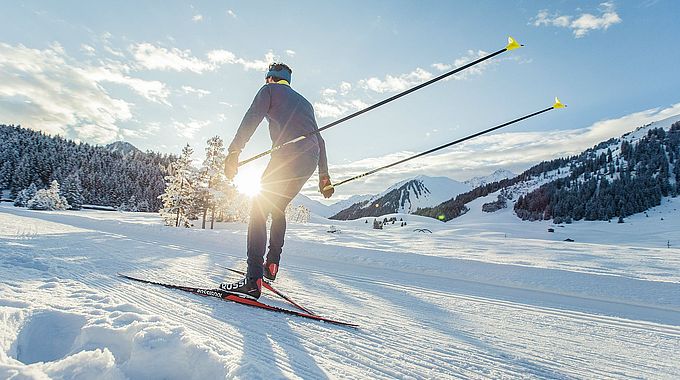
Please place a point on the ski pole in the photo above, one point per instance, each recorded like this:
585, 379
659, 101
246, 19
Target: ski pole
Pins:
512, 45
557, 104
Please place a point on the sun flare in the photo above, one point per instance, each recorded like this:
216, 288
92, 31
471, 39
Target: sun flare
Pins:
248, 182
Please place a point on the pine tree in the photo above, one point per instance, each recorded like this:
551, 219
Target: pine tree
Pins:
48, 199
25, 195
211, 179
179, 192
73, 191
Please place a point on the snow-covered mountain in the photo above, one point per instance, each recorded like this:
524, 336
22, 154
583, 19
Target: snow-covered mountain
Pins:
122, 147
496, 176
405, 197
616, 178
315, 207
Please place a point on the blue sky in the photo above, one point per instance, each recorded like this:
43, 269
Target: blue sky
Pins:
161, 74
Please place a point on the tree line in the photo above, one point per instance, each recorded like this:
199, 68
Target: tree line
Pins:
30, 158
602, 186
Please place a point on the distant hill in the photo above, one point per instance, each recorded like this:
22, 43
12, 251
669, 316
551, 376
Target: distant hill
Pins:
616, 178
405, 197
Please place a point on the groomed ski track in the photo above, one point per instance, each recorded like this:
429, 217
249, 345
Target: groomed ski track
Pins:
423, 314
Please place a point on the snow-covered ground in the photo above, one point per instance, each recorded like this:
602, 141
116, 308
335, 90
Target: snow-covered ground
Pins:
483, 296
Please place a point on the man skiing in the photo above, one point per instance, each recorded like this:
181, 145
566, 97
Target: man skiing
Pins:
290, 116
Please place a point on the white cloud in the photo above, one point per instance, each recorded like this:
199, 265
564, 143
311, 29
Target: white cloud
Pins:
345, 88
328, 110
153, 57
231, 13
290, 53
515, 151
396, 83
159, 58
584, 23
197, 18
151, 90
357, 104
328, 94
331, 106
47, 90
442, 66
87, 49
189, 129
199, 92
221, 57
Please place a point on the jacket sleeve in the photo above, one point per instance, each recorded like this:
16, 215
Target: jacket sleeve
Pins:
323, 159
253, 117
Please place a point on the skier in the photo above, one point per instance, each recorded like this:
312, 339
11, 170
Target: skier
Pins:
290, 116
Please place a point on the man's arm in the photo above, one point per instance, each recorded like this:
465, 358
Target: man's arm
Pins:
323, 159
251, 119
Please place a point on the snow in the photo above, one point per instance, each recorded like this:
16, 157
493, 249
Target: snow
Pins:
482, 296
496, 176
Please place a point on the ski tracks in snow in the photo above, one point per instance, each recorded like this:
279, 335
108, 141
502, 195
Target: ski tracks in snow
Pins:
413, 325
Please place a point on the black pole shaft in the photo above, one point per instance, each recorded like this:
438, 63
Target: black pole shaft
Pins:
443, 146
376, 105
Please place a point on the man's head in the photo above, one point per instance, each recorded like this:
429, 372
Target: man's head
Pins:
278, 71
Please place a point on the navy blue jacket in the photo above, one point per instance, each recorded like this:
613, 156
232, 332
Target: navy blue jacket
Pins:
290, 115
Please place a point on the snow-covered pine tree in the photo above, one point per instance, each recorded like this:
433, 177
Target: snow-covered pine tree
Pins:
297, 214
235, 207
72, 190
25, 195
179, 191
48, 199
212, 179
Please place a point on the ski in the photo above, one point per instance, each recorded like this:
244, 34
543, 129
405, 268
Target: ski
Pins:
272, 289
226, 296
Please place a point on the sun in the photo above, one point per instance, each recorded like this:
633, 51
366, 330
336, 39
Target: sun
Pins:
247, 182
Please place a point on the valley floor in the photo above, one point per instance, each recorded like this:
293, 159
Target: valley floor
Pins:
469, 300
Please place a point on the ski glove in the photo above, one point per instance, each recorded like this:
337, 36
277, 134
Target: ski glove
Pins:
325, 186
231, 165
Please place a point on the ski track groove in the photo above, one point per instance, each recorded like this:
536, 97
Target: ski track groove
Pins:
156, 301
365, 351
355, 349
368, 350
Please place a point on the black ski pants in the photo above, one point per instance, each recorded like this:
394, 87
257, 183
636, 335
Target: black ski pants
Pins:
281, 181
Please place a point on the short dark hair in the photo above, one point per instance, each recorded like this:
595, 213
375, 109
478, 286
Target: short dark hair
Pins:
278, 67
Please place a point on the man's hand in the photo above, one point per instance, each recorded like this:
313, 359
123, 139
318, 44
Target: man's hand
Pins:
231, 165
325, 186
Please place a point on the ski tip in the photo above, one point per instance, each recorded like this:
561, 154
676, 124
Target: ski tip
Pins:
558, 103
512, 44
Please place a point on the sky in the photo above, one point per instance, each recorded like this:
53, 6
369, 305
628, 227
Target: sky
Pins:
163, 74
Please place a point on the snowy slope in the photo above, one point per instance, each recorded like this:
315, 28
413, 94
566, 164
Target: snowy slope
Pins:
483, 296
642, 131
496, 176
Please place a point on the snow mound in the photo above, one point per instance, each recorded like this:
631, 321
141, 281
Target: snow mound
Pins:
119, 345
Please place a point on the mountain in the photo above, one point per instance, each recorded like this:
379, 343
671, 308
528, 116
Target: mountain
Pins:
315, 207
615, 178
123, 147
496, 176
405, 197
341, 205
